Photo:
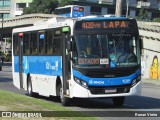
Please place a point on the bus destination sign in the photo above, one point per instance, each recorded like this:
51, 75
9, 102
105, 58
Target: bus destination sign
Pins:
104, 24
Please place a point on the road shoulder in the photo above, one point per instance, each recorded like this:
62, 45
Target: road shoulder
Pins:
151, 81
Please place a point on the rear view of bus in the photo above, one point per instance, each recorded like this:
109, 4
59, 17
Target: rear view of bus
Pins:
70, 11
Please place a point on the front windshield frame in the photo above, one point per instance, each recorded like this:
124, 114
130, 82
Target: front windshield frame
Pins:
106, 59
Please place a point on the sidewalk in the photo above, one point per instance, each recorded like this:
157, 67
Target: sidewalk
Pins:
151, 81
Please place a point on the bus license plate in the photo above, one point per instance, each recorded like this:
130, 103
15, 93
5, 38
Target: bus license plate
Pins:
110, 90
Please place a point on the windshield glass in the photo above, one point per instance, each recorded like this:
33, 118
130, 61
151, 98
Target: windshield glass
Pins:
105, 50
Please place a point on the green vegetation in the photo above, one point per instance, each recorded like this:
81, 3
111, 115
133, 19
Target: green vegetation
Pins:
15, 102
156, 20
143, 15
45, 6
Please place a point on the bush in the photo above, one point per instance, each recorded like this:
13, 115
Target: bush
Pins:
156, 20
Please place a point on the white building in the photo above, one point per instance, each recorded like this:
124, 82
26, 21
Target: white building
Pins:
17, 7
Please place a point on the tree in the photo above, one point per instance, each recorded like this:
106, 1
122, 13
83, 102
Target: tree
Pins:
45, 6
41, 6
64, 2
143, 15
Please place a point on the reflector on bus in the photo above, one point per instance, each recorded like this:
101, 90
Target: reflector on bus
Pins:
20, 34
65, 29
41, 36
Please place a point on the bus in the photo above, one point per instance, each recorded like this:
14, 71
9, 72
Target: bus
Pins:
88, 57
70, 11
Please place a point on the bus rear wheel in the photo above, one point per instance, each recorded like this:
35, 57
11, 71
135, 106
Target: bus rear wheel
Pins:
64, 100
118, 101
29, 87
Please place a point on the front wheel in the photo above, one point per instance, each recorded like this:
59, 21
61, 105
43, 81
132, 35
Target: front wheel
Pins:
118, 101
64, 100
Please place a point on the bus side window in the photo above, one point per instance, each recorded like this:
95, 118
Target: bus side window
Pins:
48, 43
56, 44
57, 49
33, 44
26, 44
41, 43
15, 44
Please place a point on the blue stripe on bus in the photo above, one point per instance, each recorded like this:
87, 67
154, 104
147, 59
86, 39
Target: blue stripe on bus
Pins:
107, 81
44, 65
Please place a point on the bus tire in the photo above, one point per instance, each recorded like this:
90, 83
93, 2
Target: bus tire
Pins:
118, 101
29, 87
64, 100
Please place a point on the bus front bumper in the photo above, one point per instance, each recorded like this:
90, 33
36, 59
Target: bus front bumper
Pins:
81, 92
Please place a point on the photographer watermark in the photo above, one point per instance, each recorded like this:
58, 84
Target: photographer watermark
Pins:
22, 114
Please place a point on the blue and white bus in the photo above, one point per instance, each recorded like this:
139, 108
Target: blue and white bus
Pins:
78, 58
70, 11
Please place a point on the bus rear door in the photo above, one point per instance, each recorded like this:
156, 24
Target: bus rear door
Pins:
20, 54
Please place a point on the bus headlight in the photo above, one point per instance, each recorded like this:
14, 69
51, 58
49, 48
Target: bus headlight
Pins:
135, 81
81, 82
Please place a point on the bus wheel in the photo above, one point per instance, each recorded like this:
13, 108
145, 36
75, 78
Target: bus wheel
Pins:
64, 100
118, 101
29, 87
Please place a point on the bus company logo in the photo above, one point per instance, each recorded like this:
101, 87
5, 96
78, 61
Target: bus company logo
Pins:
126, 81
99, 82
96, 82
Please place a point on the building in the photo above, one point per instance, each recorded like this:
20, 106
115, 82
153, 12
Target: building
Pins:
4, 13
17, 7
104, 7
4, 8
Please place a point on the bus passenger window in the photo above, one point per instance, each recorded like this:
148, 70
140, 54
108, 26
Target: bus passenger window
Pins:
41, 43
48, 43
15, 44
26, 44
33, 44
57, 46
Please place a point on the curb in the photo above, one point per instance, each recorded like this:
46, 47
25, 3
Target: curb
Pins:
151, 81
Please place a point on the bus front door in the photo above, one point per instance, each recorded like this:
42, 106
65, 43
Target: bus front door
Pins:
66, 63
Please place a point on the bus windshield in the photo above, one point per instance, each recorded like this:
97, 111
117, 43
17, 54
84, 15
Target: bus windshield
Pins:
106, 50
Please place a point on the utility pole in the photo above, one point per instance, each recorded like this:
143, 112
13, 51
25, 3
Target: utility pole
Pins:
118, 11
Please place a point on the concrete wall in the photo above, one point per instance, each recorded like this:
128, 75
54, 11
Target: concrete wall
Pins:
150, 59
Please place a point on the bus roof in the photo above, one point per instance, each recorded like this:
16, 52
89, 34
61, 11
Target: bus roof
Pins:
105, 18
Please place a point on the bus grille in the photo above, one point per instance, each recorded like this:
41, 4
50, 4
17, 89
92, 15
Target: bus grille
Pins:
109, 90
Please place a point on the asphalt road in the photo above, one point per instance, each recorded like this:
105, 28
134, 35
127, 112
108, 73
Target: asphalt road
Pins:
148, 102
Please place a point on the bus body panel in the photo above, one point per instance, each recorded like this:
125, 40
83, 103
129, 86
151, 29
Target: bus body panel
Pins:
43, 71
